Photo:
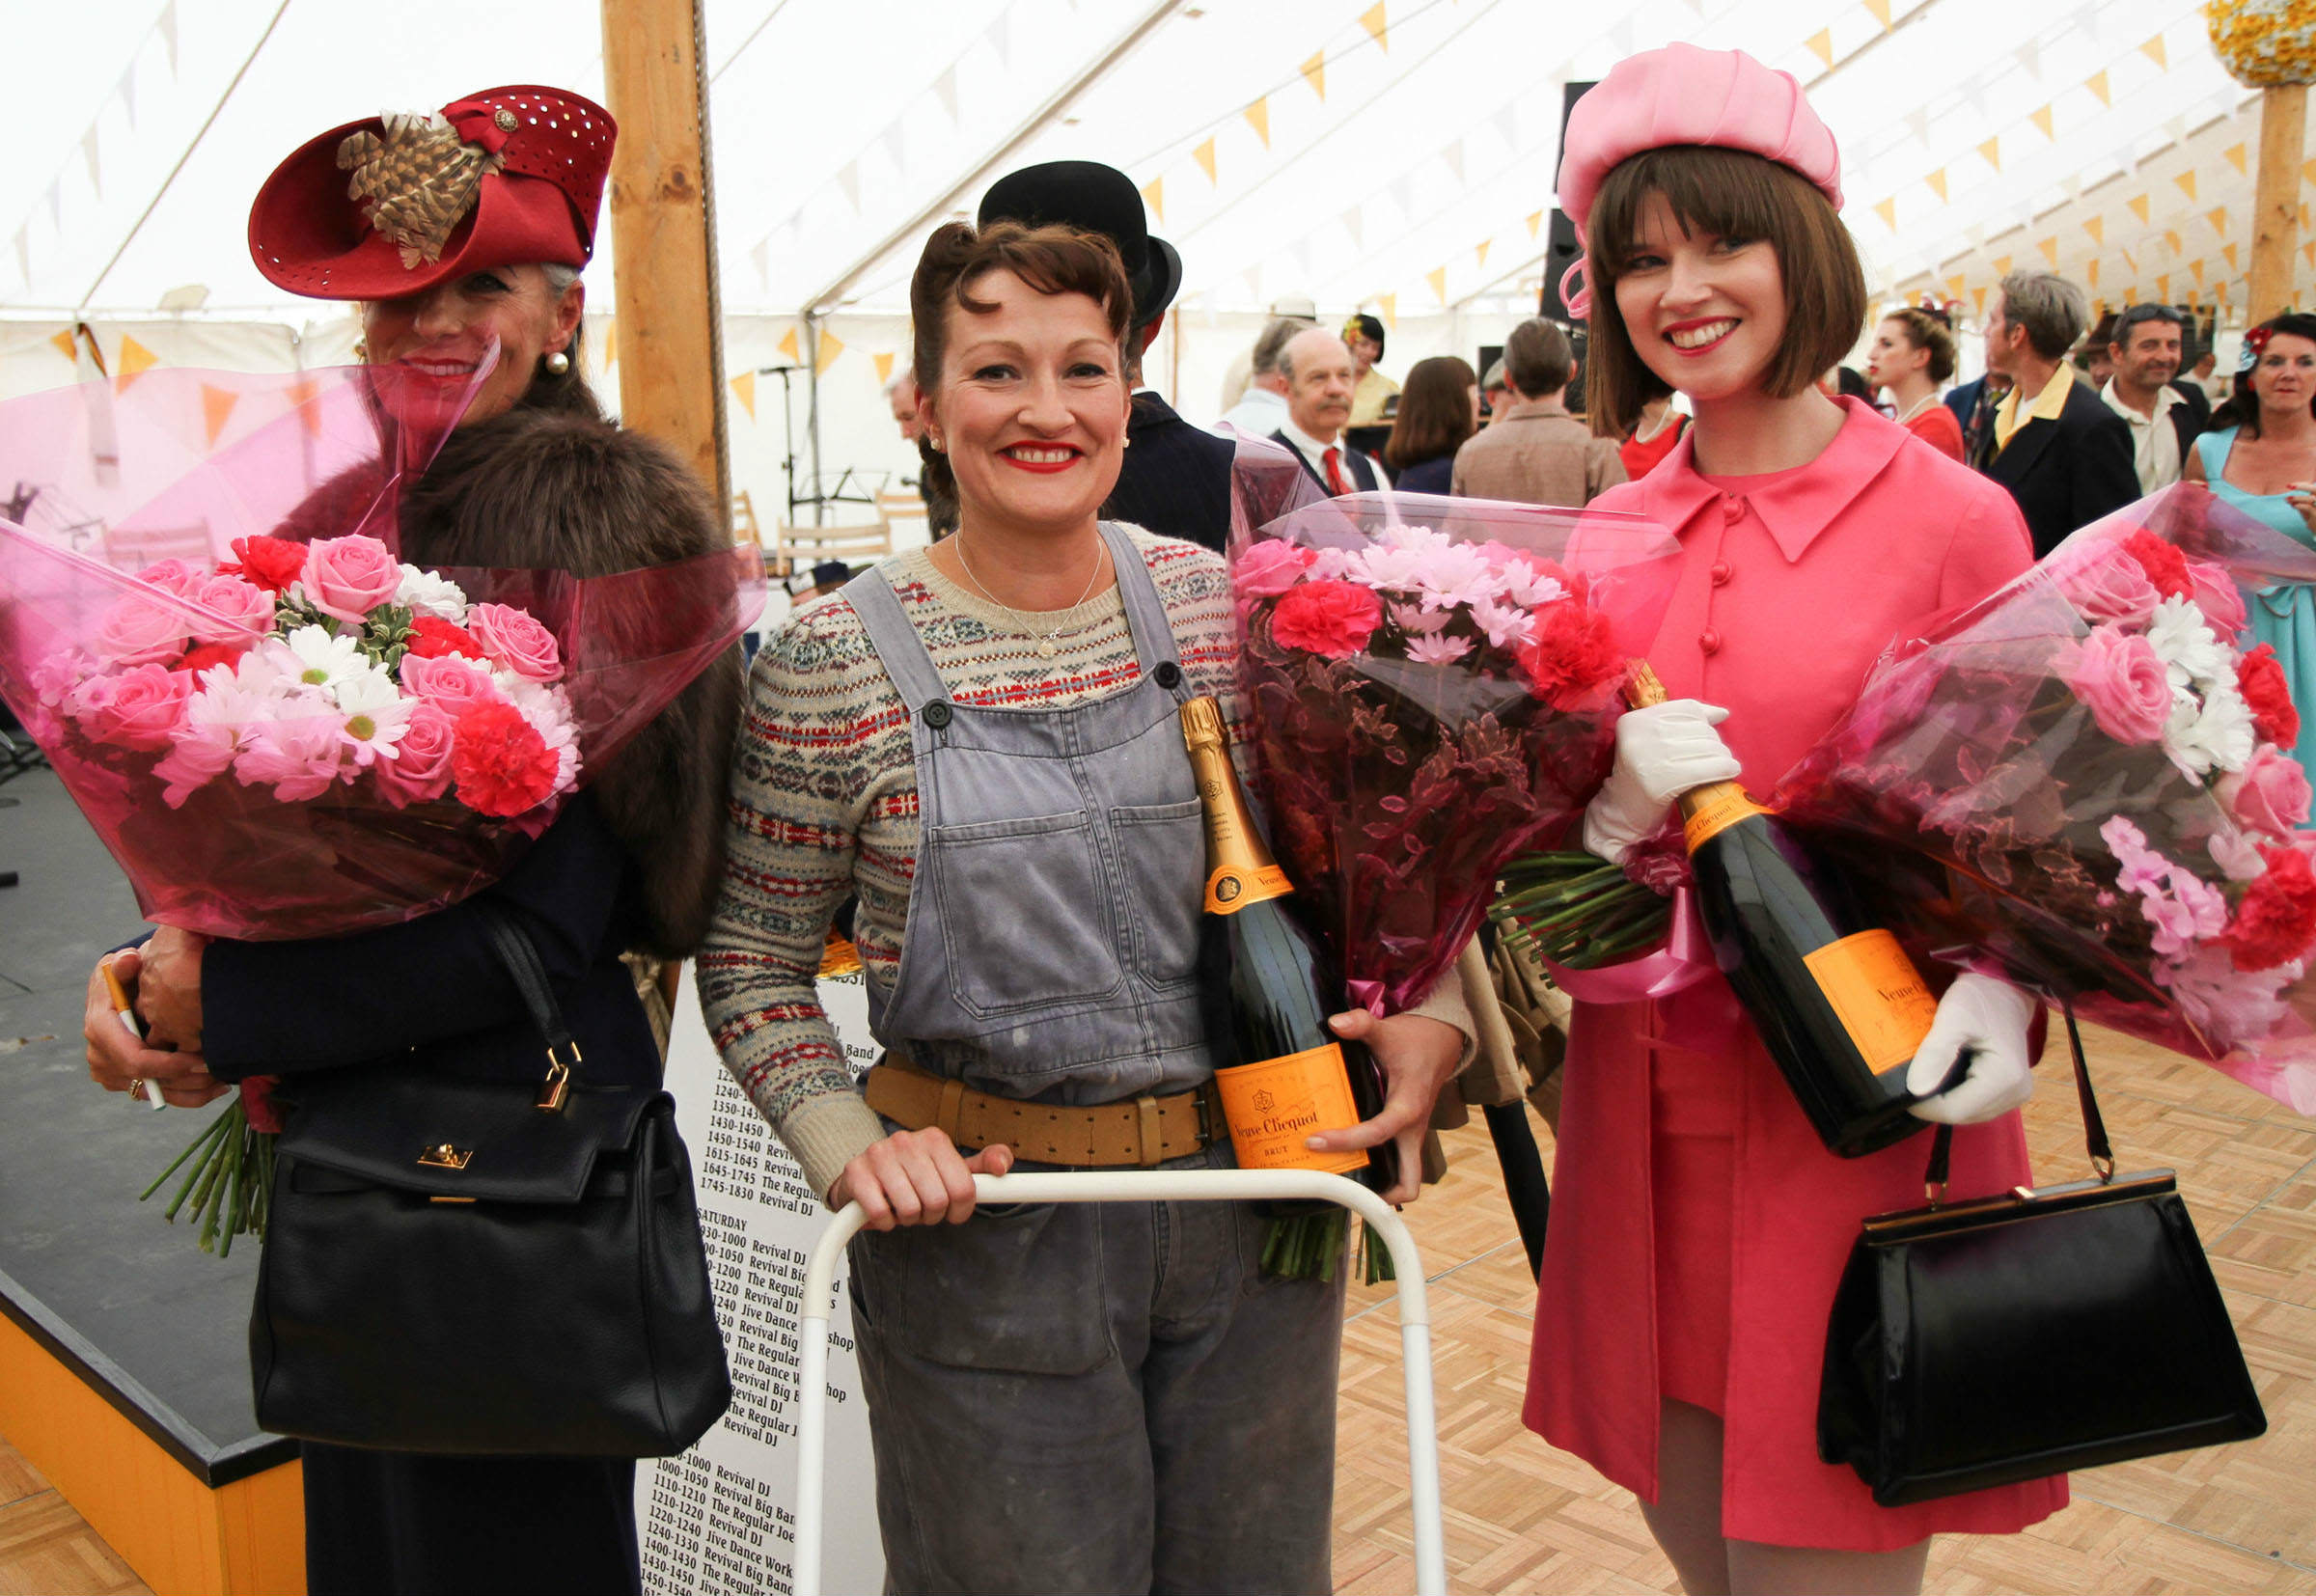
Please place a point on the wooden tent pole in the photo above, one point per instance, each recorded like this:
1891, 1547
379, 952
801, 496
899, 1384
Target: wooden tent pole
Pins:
2276, 200
663, 234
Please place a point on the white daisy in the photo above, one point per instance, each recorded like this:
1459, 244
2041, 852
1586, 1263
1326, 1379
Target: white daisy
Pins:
2214, 735
2191, 654
323, 658
372, 715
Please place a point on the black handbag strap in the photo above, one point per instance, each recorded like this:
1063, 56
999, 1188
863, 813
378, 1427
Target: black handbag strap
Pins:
2094, 1126
520, 954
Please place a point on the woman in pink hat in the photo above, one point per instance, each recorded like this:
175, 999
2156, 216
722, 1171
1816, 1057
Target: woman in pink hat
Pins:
465, 232
1699, 1227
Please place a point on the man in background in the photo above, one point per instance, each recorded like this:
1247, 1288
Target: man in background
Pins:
1263, 407
1175, 478
2217, 389
1320, 377
1495, 393
1293, 307
2064, 456
901, 393
1535, 451
2165, 416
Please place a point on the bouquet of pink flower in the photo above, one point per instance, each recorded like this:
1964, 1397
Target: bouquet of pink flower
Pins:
2084, 779
1434, 690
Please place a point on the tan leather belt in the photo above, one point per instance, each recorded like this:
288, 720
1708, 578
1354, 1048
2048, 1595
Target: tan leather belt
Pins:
1141, 1131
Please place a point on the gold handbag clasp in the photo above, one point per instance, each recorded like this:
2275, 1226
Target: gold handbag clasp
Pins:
443, 1156
556, 1089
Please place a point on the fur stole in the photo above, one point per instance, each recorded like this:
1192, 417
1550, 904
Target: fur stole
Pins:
539, 488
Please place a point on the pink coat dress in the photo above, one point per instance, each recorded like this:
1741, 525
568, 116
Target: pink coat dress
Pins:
1664, 1267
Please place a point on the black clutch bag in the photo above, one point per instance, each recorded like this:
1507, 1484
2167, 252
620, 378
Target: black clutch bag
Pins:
1983, 1343
485, 1267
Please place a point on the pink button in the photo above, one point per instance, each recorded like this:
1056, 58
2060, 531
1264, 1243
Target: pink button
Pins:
1733, 508
1720, 573
1709, 640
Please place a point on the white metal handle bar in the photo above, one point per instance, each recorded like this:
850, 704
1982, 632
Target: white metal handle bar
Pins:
1140, 1186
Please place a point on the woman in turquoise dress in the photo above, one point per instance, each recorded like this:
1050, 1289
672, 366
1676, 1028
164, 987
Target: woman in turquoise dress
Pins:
2264, 464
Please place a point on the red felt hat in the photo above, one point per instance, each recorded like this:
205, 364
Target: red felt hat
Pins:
390, 206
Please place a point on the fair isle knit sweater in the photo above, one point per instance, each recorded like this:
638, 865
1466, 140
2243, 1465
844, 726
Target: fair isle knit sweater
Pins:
824, 805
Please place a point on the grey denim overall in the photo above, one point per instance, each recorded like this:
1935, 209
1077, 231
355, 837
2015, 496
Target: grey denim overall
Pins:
1077, 1398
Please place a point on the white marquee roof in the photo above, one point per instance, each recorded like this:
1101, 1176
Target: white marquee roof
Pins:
1395, 154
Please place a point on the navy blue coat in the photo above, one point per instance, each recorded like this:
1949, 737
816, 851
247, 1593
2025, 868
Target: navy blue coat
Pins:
1175, 478
2067, 473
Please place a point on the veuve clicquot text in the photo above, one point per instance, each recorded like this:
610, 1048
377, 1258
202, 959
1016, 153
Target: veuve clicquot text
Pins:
1289, 1076
1838, 1004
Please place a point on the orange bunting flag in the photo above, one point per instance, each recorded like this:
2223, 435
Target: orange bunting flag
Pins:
1954, 285
1535, 220
1437, 277
2003, 265
2090, 273
2187, 182
1372, 19
2308, 250
1153, 195
2096, 83
1203, 155
1314, 74
1821, 45
2173, 239
1388, 303
64, 343
2218, 217
2096, 227
1991, 151
2139, 207
2049, 249
1978, 300
2154, 51
884, 366
133, 361
743, 387
1880, 9
1479, 253
1937, 183
2163, 286
1887, 210
2042, 119
2228, 249
1258, 117
2195, 270
217, 407
788, 345
831, 346
2236, 157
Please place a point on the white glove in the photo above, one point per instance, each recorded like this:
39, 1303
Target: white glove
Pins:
1662, 751
1990, 1016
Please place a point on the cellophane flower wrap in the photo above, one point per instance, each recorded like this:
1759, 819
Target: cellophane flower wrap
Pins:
1434, 688
2085, 779
277, 727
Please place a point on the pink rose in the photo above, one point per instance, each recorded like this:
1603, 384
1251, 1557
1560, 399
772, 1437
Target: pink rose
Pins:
1270, 567
138, 708
1333, 620
450, 682
2118, 675
349, 577
2269, 794
235, 610
143, 630
516, 640
2103, 582
421, 769
171, 576
2217, 597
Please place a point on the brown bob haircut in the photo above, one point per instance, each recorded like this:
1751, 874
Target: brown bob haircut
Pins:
1730, 194
1435, 412
1053, 260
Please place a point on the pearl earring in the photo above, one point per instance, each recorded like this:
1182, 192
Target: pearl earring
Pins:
557, 362
939, 446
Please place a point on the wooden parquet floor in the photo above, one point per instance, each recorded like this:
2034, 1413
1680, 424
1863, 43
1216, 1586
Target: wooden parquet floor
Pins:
2231, 1521
1520, 1517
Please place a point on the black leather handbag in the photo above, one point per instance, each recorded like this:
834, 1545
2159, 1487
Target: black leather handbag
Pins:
485, 1267
1982, 1343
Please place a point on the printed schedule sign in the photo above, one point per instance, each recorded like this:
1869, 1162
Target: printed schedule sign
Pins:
721, 1519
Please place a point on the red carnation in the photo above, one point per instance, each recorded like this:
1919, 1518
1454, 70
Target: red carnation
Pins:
204, 656
256, 1102
431, 638
1333, 620
2165, 567
501, 764
269, 562
2260, 679
1572, 653
2276, 920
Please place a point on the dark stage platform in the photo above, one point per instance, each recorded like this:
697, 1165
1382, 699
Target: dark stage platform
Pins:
99, 1282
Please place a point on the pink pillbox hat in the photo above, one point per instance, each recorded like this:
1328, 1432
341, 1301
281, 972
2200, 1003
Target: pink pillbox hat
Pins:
1682, 94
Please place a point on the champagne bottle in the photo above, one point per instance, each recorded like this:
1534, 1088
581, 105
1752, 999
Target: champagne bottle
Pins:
1292, 1077
1838, 1004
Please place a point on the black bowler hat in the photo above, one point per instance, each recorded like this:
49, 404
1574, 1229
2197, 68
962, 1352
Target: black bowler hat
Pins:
1093, 198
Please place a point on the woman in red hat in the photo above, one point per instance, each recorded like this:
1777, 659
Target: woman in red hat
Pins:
1699, 1227
460, 233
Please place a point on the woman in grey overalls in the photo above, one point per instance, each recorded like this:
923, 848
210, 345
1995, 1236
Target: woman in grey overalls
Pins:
980, 743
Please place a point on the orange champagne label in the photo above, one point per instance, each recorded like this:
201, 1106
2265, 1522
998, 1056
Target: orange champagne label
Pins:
1274, 1105
1878, 994
1233, 886
1716, 809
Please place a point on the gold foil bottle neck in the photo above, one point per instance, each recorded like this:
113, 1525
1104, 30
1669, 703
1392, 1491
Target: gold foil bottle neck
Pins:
1239, 868
1201, 723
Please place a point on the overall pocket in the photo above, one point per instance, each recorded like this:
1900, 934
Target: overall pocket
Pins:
1025, 920
1018, 1290
1164, 862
